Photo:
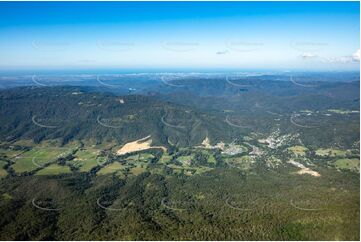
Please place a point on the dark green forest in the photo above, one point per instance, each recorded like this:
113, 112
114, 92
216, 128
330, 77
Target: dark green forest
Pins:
270, 162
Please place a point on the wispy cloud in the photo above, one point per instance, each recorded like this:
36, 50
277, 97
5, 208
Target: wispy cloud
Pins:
356, 55
341, 59
345, 59
308, 55
223, 52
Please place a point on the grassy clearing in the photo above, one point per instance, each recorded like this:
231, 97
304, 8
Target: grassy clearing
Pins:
2, 163
137, 170
233, 149
24, 164
46, 144
53, 169
6, 196
158, 169
211, 159
165, 158
201, 169
121, 174
144, 157
85, 160
331, 152
35, 158
111, 168
243, 162
298, 150
185, 160
9, 153
24, 142
209, 155
348, 164
177, 169
94, 145
189, 170
3, 172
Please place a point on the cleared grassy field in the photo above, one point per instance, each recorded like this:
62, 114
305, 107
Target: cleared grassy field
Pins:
53, 169
3, 172
94, 145
331, 152
143, 157
178, 169
35, 158
186, 159
189, 170
348, 164
23, 164
10, 153
111, 168
298, 150
85, 159
25, 142
243, 162
137, 170
211, 159
165, 158
46, 144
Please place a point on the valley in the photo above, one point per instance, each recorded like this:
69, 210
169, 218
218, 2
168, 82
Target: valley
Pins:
154, 167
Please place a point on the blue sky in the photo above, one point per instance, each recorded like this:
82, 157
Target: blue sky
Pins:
204, 35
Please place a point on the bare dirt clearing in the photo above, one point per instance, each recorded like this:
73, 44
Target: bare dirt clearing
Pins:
303, 169
138, 145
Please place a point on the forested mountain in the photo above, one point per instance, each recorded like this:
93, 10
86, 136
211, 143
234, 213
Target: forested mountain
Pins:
70, 113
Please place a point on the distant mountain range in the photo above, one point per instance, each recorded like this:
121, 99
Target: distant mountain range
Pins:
72, 113
177, 110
